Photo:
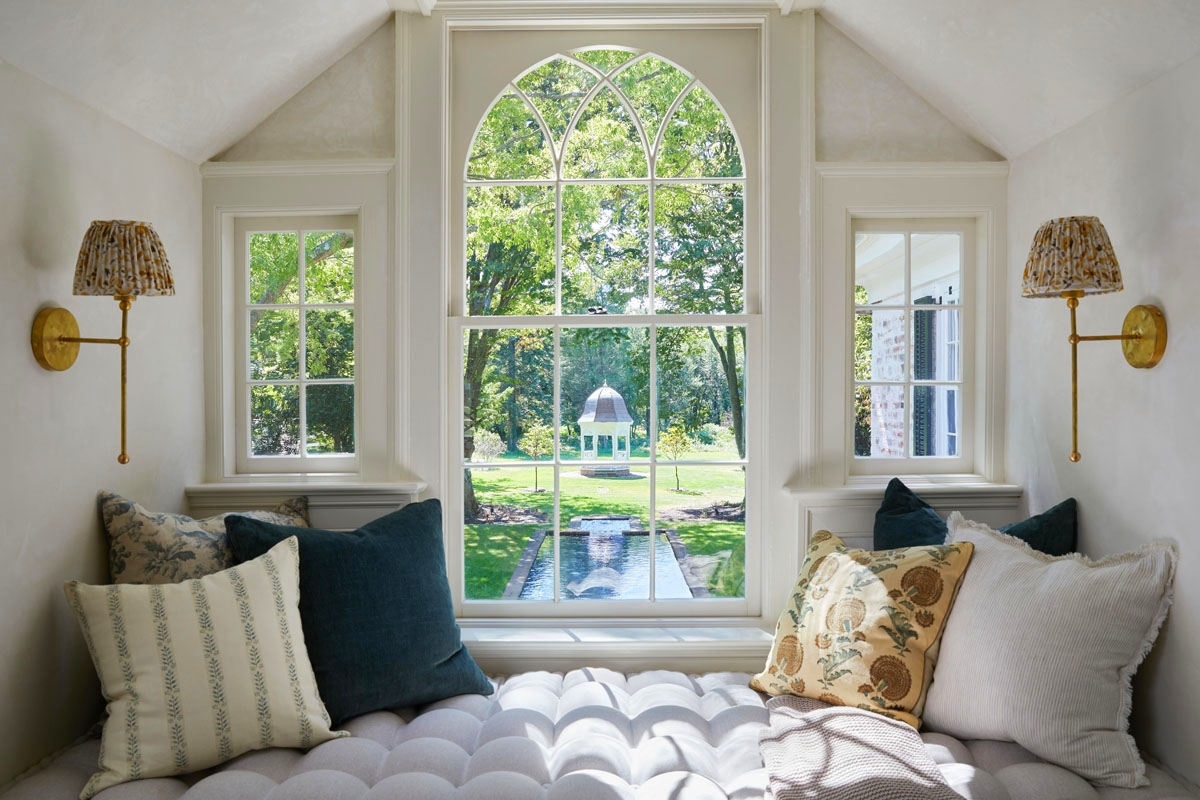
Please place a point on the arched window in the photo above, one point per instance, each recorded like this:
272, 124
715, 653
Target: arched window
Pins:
604, 339
568, 170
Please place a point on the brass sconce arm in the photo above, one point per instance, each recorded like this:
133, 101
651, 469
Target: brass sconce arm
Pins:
1143, 340
56, 343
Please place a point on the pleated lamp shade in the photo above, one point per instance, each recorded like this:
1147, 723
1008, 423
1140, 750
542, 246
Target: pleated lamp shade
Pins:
1071, 255
122, 258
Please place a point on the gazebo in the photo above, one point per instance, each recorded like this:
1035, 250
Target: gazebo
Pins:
605, 414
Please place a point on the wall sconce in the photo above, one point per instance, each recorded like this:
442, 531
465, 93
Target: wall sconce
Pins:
118, 258
1071, 257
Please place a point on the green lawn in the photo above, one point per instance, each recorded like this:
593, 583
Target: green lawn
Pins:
492, 550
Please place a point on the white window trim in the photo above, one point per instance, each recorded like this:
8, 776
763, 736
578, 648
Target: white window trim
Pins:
977, 192
908, 464
361, 189
303, 462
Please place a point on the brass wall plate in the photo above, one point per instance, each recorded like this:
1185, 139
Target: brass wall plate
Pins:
49, 326
1150, 326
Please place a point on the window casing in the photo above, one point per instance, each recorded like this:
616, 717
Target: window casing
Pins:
297, 340
559, 320
911, 371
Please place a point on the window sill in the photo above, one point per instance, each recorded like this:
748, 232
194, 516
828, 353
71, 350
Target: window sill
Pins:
861, 487
502, 648
332, 503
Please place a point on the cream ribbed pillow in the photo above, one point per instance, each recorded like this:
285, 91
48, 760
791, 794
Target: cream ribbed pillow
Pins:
1041, 651
198, 672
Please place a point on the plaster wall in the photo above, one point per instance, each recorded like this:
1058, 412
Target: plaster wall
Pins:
1136, 165
64, 166
348, 111
865, 113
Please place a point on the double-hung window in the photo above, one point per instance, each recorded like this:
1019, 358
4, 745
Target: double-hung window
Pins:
911, 312
603, 343
297, 344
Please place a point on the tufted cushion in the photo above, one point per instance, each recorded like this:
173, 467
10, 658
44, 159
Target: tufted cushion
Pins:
590, 734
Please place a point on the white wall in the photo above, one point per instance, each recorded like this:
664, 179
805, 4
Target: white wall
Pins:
348, 111
1136, 165
65, 165
865, 113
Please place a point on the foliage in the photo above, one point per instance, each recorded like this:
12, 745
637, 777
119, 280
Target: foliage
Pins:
675, 442
537, 442
862, 371
275, 342
489, 446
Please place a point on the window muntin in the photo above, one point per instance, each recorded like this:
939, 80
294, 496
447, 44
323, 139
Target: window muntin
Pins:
641, 215
296, 321
908, 376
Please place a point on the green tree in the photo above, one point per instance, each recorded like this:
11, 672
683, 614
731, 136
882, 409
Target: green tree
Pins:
862, 371
675, 442
538, 441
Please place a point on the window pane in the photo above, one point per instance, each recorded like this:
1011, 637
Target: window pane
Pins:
936, 268
605, 245
510, 145
935, 345
879, 268
329, 267
510, 250
603, 59
604, 546
879, 345
605, 396
329, 413
274, 345
605, 142
651, 86
701, 393
556, 89
508, 394
702, 515
700, 249
329, 343
505, 522
274, 262
879, 421
936, 414
698, 142
275, 420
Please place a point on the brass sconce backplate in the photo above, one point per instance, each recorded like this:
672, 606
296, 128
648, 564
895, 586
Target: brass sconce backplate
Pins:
50, 327
1149, 326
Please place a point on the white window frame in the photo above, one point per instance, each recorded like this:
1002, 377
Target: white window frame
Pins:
909, 464
303, 462
751, 319
244, 193
975, 192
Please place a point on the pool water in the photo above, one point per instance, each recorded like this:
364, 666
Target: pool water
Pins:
606, 564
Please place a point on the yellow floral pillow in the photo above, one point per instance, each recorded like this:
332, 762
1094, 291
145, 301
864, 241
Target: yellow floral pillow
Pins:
862, 628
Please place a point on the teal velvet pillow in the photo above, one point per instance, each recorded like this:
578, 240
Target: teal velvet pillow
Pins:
375, 605
905, 520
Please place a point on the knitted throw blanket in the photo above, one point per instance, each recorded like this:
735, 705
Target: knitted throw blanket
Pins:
815, 750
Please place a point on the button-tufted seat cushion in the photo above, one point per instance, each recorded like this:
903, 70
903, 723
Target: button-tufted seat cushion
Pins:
590, 734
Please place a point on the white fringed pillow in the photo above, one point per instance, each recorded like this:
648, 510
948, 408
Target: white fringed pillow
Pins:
1041, 651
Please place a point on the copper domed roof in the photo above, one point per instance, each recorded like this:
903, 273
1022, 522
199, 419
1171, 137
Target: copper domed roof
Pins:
605, 405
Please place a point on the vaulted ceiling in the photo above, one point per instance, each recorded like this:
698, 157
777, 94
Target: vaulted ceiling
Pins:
196, 77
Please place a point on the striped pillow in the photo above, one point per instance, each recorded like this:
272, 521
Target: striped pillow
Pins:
198, 672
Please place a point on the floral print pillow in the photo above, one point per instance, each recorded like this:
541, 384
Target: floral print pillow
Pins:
151, 547
862, 628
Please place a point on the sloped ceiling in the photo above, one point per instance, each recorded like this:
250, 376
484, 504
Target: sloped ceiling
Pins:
193, 76
1013, 73
197, 76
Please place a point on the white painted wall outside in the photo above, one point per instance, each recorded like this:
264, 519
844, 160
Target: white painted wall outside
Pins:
1136, 165
65, 165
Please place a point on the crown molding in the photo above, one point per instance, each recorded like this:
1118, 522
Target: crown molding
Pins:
912, 169
242, 169
426, 7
